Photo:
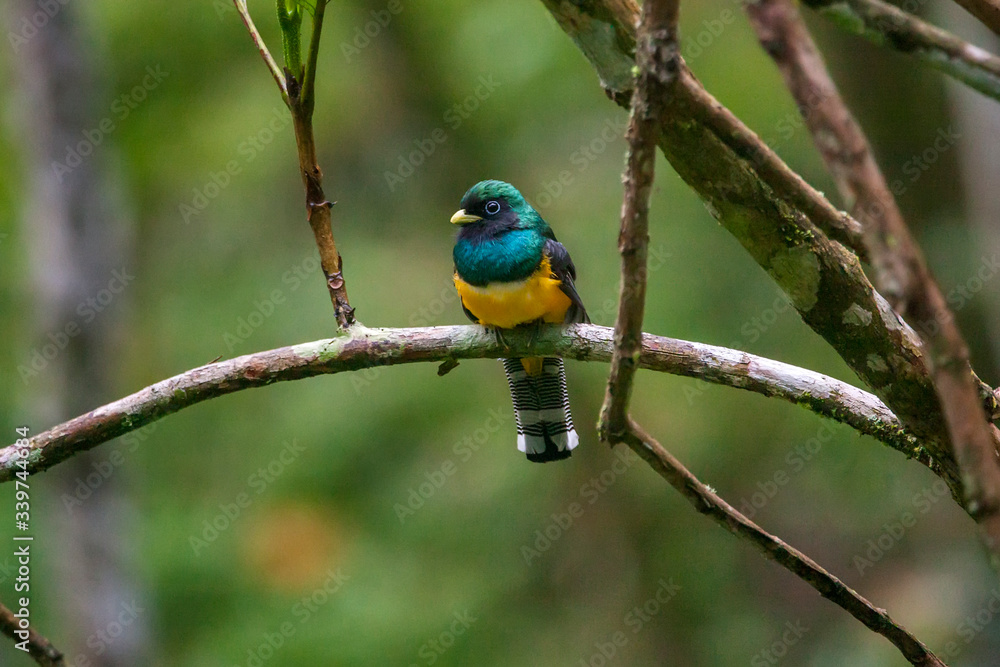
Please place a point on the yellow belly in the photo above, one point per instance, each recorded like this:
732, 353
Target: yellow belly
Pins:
506, 305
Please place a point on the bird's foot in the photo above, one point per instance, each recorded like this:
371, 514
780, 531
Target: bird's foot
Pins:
498, 334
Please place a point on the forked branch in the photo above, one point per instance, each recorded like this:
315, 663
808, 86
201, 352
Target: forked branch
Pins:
297, 85
900, 268
887, 25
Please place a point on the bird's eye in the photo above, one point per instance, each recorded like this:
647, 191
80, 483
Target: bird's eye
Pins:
493, 207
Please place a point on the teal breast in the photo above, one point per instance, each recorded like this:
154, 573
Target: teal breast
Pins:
511, 256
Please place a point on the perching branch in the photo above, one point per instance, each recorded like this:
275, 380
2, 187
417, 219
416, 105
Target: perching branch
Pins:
361, 348
901, 270
781, 222
39, 648
656, 60
298, 91
709, 503
887, 25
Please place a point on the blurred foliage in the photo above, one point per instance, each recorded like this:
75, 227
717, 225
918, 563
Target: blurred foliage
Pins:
313, 564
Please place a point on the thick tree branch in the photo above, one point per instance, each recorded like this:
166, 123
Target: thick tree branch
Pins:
364, 348
709, 503
887, 25
39, 648
900, 267
778, 218
298, 91
656, 60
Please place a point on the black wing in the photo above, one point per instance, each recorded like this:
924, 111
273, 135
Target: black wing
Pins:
563, 269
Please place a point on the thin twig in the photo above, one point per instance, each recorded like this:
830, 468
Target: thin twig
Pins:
39, 648
887, 25
363, 348
656, 60
709, 503
272, 66
987, 11
299, 97
901, 270
318, 207
309, 80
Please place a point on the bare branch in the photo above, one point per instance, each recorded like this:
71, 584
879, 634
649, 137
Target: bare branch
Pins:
839, 139
987, 11
889, 26
39, 648
900, 266
709, 503
365, 348
778, 218
656, 59
272, 66
299, 96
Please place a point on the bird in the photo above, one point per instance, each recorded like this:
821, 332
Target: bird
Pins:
510, 271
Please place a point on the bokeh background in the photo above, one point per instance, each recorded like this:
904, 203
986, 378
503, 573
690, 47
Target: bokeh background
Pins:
265, 527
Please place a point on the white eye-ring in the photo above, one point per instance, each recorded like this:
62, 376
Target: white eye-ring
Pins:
493, 207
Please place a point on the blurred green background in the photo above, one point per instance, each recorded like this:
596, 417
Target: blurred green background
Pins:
265, 527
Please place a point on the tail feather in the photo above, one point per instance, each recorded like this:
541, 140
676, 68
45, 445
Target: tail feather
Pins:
541, 408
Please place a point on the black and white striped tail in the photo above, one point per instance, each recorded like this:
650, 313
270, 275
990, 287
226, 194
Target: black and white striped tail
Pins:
541, 407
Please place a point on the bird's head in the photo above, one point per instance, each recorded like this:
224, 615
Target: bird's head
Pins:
496, 204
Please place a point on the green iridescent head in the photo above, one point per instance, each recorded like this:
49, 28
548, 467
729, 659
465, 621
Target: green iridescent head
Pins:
496, 202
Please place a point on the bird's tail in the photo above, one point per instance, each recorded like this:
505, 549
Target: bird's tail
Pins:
541, 408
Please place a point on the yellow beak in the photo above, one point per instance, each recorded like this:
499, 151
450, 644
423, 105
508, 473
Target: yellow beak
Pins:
463, 218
